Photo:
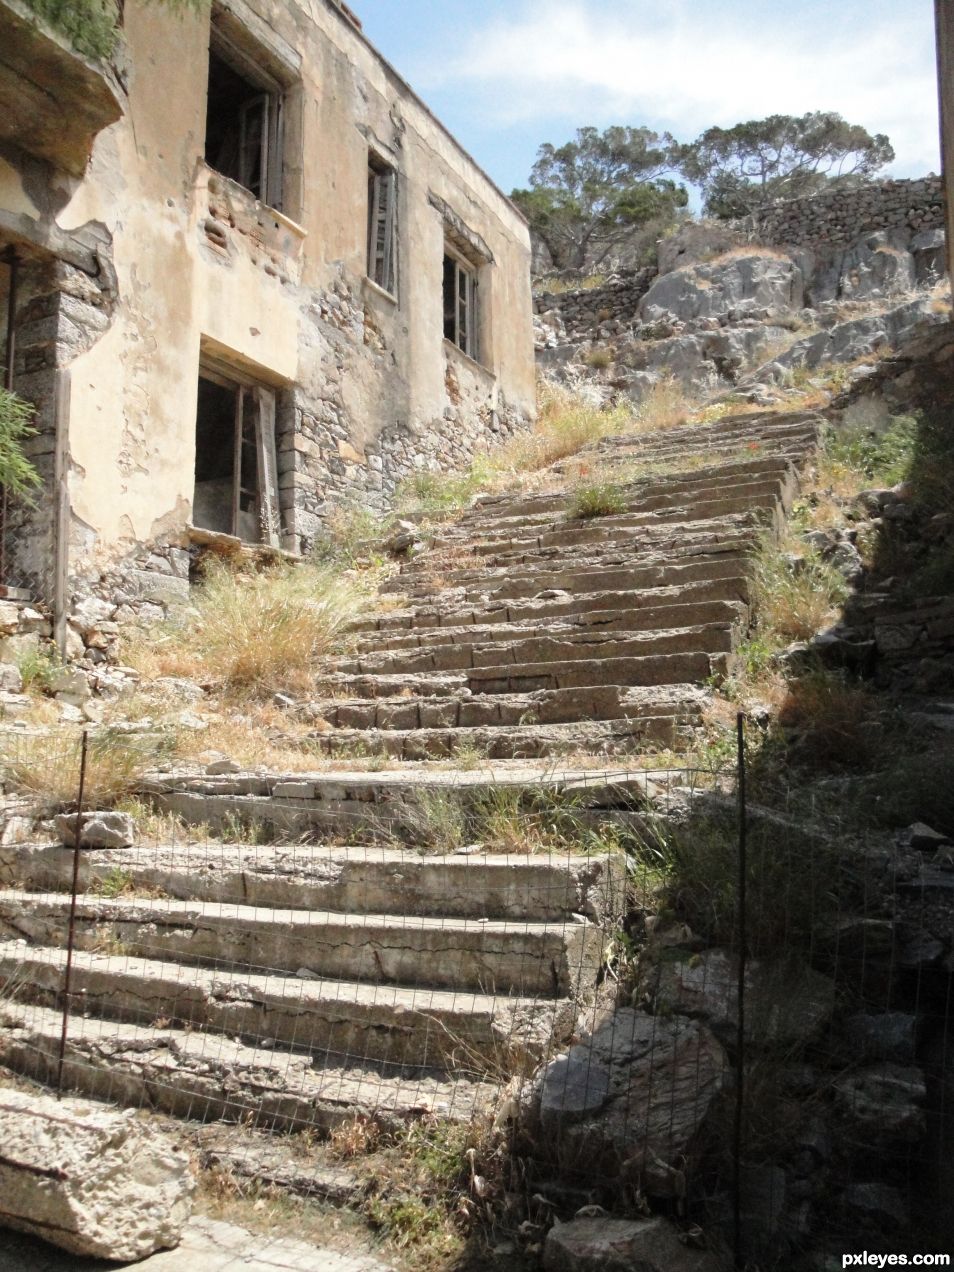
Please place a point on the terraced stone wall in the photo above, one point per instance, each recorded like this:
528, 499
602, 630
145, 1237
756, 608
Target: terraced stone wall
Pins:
839, 218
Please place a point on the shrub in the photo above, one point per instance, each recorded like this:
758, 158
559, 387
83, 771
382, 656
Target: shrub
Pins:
600, 499
16, 472
598, 359
828, 722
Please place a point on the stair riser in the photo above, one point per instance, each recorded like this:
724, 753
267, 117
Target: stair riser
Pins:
210, 1093
506, 887
514, 586
621, 620
518, 962
572, 608
468, 656
637, 509
332, 1031
664, 731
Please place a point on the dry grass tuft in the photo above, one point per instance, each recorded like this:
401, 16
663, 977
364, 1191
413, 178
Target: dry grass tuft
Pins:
47, 766
253, 633
794, 599
666, 405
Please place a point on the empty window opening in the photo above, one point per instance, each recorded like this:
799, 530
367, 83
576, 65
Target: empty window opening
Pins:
235, 461
460, 304
243, 127
382, 224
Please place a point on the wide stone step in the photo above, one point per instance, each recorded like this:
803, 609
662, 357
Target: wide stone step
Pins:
532, 741
365, 805
468, 711
475, 654
335, 1021
679, 514
193, 1075
639, 500
632, 619
596, 540
675, 606
486, 957
514, 584
370, 879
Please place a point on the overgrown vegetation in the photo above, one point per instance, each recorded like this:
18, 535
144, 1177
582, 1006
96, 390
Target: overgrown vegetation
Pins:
92, 26
16, 472
596, 499
255, 632
47, 765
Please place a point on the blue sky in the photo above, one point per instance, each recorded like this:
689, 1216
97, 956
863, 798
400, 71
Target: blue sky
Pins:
506, 75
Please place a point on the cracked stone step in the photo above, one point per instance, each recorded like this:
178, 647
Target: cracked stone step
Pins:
644, 500
513, 584
468, 711
609, 738
331, 1020
693, 513
647, 618
596, 535
368, 879
205, 1077
366, 805
493, 956
648, 608
473, 654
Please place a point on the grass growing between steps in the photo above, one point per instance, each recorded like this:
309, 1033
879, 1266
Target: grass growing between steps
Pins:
257, 632
47, 766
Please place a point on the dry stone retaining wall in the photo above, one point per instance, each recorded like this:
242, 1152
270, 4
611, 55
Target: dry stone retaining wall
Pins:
840, 217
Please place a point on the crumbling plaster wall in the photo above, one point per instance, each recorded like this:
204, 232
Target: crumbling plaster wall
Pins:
369, 390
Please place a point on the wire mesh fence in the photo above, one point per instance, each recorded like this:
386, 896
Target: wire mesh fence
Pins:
654, 992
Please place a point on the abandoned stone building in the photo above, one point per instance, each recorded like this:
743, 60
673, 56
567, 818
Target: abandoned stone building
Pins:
247, 277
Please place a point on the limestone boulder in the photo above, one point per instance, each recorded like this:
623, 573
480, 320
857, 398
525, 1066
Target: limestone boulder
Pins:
92, 1180
784, 1002
99, 830
739, 284
622, 1245
631, 1098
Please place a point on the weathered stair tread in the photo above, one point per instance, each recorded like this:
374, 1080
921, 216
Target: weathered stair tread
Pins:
647, 619
499, 956
423, 710
531, 741
559, 604
200, 1076
331, 1019
477, 653
367, 879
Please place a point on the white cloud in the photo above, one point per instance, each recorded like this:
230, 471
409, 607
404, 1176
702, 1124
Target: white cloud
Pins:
699, 62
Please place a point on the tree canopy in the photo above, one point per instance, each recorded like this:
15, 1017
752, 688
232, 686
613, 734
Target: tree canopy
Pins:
743, 168
586, 196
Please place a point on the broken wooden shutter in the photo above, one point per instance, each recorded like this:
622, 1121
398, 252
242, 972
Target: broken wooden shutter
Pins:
253, 145
382, 191
276, 151
269, 513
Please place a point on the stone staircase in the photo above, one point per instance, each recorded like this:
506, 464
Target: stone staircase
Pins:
299, 985
524, 633
338, 970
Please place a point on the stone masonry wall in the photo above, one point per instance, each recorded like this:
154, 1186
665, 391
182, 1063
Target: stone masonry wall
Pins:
838, 218
583, 309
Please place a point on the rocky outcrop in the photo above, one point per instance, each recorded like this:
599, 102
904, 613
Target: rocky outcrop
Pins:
743, 283
91, 1180
622, 1245
632, 1098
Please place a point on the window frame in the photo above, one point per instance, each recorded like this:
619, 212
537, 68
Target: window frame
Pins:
255, 404
382, 238
271, 95
466, 302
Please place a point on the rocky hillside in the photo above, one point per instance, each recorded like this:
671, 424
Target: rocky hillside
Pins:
722, 315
